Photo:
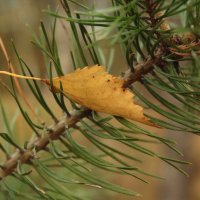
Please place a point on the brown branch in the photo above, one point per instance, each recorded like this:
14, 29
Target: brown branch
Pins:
147, 66
150, 10
40, 143
143, 68
55, 131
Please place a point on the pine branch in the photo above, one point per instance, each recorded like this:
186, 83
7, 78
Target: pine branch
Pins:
40, 143
55, 131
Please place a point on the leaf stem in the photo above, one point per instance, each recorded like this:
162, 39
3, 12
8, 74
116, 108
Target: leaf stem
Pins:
20, 76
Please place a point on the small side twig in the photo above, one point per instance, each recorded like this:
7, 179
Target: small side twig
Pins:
11, 68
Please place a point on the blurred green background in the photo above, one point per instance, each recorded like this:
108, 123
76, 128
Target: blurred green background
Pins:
18, 20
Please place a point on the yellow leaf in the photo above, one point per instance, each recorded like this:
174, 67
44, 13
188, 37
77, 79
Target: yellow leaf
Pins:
93, 88
97, 90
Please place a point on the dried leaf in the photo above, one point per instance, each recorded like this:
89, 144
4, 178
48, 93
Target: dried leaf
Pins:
97, 90
93, 88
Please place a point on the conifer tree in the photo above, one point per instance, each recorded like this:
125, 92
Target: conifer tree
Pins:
79, 151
